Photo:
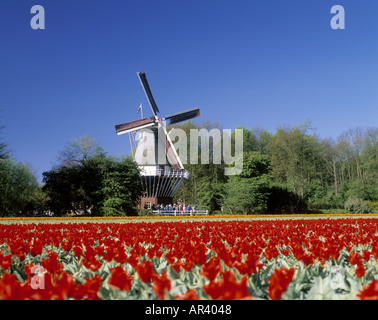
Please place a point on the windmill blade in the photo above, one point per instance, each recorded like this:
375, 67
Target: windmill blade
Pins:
170, 150
182, 116
147, 90
134, 125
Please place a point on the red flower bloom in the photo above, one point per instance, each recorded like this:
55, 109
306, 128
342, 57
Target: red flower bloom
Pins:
366, 255
120, 278
369, 292
88, 290
254, 262
65, 285
354, 257
228, 288
161, 284
11, 288
191, 294
145, 271
51, 264
211, 268
360, 270
133, 260
5, 261
279, 282
36, 249
92, 264
176, 266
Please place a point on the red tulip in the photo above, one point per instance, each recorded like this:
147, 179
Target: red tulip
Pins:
120, 279
161, 284
211, 268
279, 282
369, 292
145, 271
228, 288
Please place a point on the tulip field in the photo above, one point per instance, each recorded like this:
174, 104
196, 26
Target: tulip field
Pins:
249, 259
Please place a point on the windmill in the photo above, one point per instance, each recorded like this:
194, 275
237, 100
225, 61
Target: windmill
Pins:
161, 171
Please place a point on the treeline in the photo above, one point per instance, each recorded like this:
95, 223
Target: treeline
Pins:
292, 170
84, 180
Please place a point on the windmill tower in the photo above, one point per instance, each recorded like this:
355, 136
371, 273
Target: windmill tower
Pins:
161, 170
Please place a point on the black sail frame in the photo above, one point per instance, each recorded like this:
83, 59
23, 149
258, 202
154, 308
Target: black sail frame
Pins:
147, 90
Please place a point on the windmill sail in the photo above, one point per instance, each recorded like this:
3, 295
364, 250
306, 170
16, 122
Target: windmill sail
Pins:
134, 125
170, 150
182, 116
147, 90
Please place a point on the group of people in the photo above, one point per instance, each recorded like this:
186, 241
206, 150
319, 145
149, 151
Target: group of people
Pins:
174, 207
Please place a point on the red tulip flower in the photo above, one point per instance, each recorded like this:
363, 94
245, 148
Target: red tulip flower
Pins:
145, 271
120, 279
369, 292
161, 284
279, 282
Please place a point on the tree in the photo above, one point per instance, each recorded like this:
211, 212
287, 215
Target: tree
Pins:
17, 185
79, 150
4, 153
248, 192
121, 187
264, 138
104, 185
205, 180
330, 156
210, 196
369, 157
295, 158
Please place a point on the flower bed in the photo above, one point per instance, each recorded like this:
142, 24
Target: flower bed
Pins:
234, 259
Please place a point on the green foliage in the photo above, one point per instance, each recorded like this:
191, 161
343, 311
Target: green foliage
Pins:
79, 150
145, 213
304, 172
4, 153
121, 187
313, 173
105, 185
37, 202
357, 205
210, 196
373, 205
17, 186
248, 192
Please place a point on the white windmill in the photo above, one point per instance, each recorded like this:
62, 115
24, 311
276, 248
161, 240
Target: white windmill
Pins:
163, 173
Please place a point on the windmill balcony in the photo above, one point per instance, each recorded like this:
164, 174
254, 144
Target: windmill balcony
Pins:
166, 172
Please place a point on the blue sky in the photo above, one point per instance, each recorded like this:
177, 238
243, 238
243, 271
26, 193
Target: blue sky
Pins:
243, 63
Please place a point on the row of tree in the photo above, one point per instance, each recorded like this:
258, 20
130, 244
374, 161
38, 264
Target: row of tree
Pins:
292, 170
83, 180
90, 182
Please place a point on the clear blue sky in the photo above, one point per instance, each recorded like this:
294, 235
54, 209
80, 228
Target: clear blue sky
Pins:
243, 63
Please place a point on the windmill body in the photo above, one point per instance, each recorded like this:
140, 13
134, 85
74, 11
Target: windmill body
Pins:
161, 170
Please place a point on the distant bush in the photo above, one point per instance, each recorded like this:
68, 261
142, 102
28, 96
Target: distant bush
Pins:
145, 212
373, 206
357, 206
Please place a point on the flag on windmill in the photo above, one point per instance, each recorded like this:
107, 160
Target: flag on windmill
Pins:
140, 109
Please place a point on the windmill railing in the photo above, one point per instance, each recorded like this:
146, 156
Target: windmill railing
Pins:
180, 212
167, 173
